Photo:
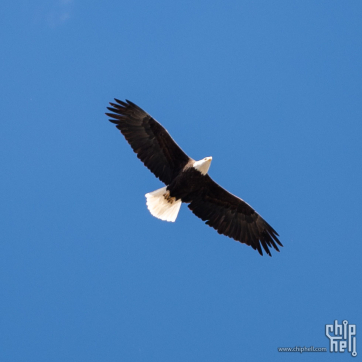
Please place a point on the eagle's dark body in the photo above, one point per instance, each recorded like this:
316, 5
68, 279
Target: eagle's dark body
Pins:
187, 184
226, 213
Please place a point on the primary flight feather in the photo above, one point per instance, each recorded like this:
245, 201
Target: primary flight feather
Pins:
187, 181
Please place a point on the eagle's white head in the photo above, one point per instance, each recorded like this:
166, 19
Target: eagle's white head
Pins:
203, 165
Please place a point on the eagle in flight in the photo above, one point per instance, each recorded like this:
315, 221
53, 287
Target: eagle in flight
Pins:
187, 181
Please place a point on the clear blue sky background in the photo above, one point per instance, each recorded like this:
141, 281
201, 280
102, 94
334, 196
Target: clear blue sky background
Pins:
271, 90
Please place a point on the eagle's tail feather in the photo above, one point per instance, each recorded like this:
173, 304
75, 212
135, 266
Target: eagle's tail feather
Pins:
162, 206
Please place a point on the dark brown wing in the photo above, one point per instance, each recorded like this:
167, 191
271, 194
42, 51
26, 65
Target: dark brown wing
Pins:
233, 217
152, 143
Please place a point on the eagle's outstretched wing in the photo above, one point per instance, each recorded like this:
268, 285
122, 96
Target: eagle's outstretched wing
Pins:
233, 217
152, 143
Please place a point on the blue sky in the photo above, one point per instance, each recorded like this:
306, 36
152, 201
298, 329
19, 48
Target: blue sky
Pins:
271, 90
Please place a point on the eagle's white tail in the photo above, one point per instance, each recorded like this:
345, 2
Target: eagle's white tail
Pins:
162, 206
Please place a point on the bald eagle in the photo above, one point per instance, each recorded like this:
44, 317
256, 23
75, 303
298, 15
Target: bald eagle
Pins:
187, 181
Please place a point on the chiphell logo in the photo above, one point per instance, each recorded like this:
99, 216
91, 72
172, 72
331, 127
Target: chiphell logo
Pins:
342, 337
